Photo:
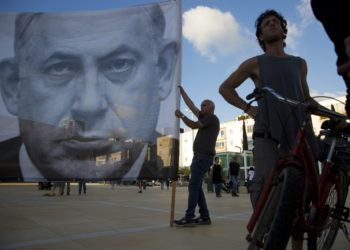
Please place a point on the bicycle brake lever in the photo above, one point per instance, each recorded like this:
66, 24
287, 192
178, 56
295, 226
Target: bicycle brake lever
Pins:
257, 94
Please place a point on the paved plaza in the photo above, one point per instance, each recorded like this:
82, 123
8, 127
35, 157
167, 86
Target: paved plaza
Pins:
119, 218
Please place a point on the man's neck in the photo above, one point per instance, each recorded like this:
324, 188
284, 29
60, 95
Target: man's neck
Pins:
275, 49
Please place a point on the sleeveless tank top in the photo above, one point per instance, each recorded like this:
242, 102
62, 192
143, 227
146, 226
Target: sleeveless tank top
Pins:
280, 120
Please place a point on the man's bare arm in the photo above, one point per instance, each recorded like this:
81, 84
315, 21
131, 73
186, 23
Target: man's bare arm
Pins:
189, 102
247, 69
344, 69
187, 121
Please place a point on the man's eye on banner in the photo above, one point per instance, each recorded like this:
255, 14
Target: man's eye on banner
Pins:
89, 94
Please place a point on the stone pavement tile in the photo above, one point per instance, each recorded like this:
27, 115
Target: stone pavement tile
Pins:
12, 222
215, 236
119, 219
17, 235
57, 246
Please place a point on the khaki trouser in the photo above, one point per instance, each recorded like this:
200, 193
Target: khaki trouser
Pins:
266, 155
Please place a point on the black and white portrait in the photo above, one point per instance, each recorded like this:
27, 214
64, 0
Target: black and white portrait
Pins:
87, 95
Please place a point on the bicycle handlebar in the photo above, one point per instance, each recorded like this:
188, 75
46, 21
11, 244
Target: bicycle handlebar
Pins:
260, 92
253, 94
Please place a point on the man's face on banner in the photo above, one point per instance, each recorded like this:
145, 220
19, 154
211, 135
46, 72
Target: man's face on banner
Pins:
88, 87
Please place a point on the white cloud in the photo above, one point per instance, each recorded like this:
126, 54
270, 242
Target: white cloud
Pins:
315, 92
296, 30
305, 12
293, 35
216, 33
213, 32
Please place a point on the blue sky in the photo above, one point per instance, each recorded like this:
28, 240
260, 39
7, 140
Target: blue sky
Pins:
219, 34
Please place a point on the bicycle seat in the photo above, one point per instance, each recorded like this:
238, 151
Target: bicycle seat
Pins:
341, 154
332, 124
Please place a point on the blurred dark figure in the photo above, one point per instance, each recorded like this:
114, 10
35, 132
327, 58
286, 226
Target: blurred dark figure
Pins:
334, 16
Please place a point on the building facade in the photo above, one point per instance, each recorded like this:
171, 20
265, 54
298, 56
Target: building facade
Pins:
230, 139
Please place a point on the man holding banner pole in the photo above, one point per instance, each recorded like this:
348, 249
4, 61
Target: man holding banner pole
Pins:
208, 126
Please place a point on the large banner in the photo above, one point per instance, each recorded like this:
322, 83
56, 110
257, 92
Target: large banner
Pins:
90, 95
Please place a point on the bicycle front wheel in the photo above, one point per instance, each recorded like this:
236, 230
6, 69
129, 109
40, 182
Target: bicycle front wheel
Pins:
336, 197
274, 227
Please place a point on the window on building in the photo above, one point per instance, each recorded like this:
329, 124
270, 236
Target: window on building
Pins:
249, 128
220, 145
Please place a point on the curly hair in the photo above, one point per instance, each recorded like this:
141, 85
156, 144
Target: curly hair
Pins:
259, 20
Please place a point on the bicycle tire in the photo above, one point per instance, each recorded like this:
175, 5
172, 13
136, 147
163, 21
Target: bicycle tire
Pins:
276, 221
266, 217
336, 196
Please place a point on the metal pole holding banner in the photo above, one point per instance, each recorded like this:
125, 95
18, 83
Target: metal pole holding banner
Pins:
172, 209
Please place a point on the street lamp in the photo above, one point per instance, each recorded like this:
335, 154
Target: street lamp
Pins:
240, 149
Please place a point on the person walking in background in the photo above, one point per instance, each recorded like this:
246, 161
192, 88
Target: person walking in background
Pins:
54, 189
208, 126
140, 184
209, 180
217, 176
113, 184
44, 185
167, 182
233, 175
82, 186
250, 177
62, 187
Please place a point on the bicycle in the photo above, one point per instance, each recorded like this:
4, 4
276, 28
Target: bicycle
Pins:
296, 200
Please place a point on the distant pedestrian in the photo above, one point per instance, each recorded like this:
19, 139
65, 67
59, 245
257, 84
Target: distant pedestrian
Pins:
233, 175
162, 182
209, 180
218, 176
82, 186
141, 186
113, 184
62, 187
44, 185
167, 184
54, 189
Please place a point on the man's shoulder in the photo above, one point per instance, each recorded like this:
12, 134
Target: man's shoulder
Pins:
211, 118
251, 60
250, 64
297, 58
216, 118
250, 68
235, 164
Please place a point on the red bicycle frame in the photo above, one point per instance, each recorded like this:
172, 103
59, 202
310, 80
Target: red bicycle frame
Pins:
300, 156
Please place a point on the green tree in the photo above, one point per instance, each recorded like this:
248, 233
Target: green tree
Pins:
245, 138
